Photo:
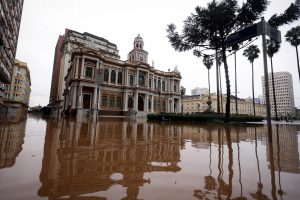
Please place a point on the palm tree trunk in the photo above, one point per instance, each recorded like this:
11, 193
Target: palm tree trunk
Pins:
274, 94
227, 113
209, 104
253, 100
217, 71
236, 104
298, 62
221, 96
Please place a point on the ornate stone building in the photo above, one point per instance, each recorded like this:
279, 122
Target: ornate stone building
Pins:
95, 79
198, 103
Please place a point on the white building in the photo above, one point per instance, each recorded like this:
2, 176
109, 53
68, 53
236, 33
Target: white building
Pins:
199, 91
284, 93
92, 79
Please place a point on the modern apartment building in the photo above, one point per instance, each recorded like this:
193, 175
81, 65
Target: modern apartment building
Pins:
198, 103
284, 93
10, 18
90, 78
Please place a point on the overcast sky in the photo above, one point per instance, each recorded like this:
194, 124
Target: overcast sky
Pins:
120, 21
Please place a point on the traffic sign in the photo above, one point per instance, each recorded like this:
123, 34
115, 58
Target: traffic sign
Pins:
242, 35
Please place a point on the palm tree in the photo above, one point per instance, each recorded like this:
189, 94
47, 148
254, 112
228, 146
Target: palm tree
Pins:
272, 48
252, 53
208, 62
293, 37
209, 28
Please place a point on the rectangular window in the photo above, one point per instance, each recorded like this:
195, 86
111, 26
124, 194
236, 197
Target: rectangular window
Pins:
112, 101
89, 72
118, 102
131, 80
104, 101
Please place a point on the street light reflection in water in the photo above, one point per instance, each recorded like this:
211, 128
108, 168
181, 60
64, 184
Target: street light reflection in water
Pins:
136, 159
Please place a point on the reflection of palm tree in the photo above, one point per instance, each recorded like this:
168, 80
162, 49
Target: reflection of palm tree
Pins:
280, 191
210, 182
240, 172
230, 162
258, 194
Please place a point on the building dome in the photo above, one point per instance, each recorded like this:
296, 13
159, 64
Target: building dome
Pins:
138, 42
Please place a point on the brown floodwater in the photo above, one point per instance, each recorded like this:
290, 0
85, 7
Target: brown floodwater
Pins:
136, 159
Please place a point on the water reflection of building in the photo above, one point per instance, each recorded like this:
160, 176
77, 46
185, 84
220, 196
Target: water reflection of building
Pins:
11, 140
81, 158
285, 149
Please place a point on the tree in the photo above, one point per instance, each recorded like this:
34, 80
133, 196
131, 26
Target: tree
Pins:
208, 62
252, 53
272, 48
210, 26
293, 37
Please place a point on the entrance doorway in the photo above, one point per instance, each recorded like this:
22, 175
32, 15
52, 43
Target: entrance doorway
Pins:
86, 101
141, 103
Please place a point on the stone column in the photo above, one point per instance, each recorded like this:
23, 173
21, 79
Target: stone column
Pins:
79, 97
126, 76
95, 98
152, 103
125, 99
137, 77
146, 102
76, 67
82, 67
109, 74
74, 97
135, 107
179, 105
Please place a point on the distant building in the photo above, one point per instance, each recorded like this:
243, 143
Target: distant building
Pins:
198, 103
84, 61
10, 18
17, 93
199, 91
284, 92
19, 89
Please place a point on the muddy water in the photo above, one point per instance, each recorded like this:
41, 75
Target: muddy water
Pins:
136, 159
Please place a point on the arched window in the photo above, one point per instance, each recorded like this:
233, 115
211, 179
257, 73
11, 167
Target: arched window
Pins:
163, 86
140, 103
113, 76
155, 84
150, 84
149, 104
106, 74
130, 102
120, 76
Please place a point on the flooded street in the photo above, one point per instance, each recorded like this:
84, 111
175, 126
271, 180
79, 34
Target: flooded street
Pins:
136, 159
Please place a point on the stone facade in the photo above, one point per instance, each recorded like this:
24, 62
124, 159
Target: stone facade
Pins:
198, 103
17, 93
95, 79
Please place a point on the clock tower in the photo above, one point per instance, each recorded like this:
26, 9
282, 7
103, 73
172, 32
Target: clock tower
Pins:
138, 54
